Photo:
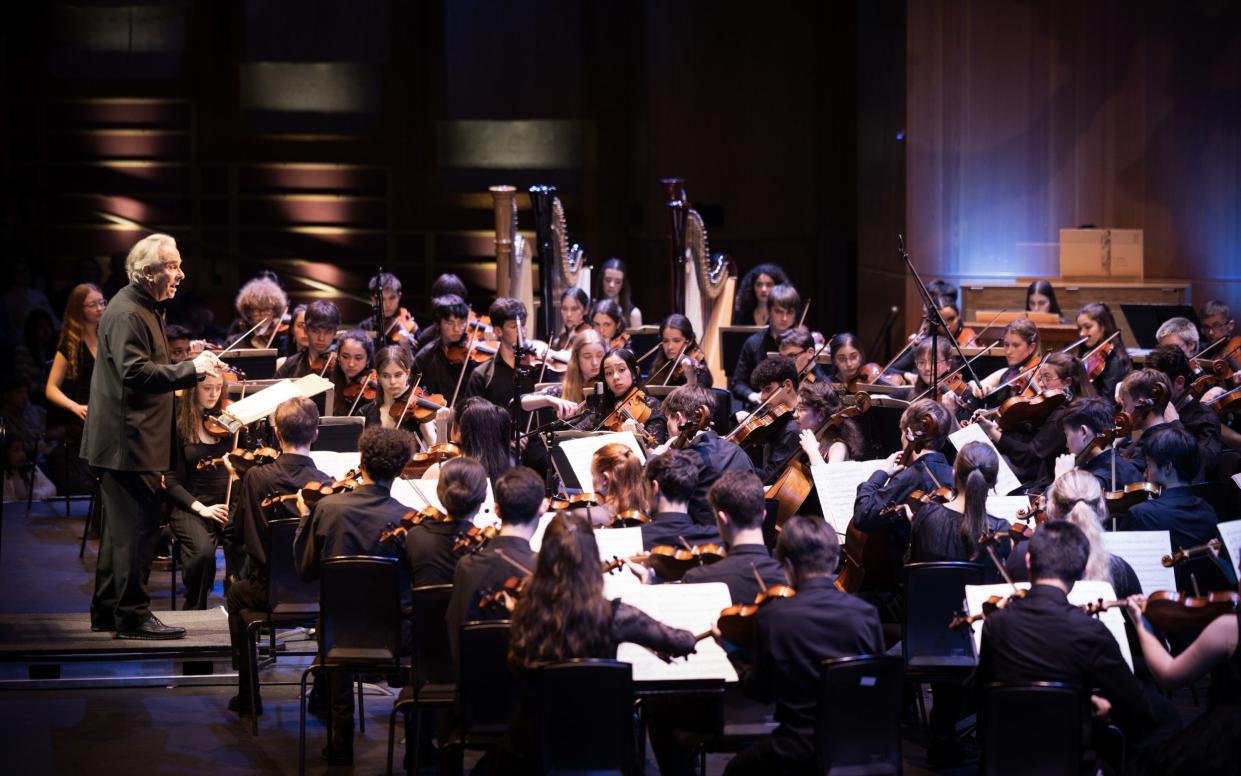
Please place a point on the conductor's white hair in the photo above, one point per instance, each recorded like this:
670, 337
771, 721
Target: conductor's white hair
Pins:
147, 253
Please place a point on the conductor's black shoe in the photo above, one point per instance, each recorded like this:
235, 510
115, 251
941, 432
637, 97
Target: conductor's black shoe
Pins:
152, 629
102, 627
241, 705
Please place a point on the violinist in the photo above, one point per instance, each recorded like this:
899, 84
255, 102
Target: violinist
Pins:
772, 375
68, 381
447, 283
607, 318
574, 304
261, 298
199, 498
783, 307
1199, 420
616, 480
793, 637
322, 323
614, 285
850, 367
736, 498
180, 344
297, 341
1043, 638
1180, 333
519, 505
816, 402
1030, 451
950, 311
1146, 395
677, 338
462, 488
1217, 325
620, 374
1082, 422
754, 290
392, 367
441, 362
798, 343
1096, 324
715, 455
349, 524
945, 362
581, 380
496, 380
352, 371
1041, 298
949, 530
394, 326
296, 423
1021, 352
1076, 497
482, 432
671, 477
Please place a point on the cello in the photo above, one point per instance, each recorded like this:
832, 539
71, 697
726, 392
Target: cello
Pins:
793, 485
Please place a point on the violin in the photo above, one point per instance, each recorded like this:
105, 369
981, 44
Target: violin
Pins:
502, 600
1022, 409
474, 539
1095, 361
988, 606
671, 562
736, 623
539, 355
755, 429
422, 406
869, 374
1226, 402
319, 362
1186, 553
1122, 424
243, 460
702, 418
436, 454
402, 328
917, 500
580, 500
1037, 511
367, 387
1180, 613
620, 341
427, 514
312, 492
630, 518
1024, 386
632, 407
1121, 501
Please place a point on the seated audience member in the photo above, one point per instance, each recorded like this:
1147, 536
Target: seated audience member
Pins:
671, 477
737, 498
792, 637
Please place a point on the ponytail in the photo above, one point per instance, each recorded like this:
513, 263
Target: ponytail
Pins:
974, 521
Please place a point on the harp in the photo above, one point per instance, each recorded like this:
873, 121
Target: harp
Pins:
561, 265
514, 276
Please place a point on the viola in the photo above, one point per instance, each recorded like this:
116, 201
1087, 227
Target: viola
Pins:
736, 623
420, 462
1121, 501
312, 492
630, 518
702, 418
474, 539
367, 387
427, 514
988, 606
671, 562
1023, 409
1186, 553
422, 406
755, 429
212, 425
1122, 424
1180, 613
580, 500
1145, 406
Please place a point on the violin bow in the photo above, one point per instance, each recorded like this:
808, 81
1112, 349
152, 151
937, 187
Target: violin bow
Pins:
1071, 345
802, 320
977, 356
810, 364
754, 412
469, 348
276, 328
331, 357
994, 318
242, 338
1007, 383
1099, 347
358, 398
676, 361
514, 562
413, 391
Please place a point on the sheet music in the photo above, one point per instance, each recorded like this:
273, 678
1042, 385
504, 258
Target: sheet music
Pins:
618, 542
263, 403
1084, 592
335, 463
694, 608
536, 539
579, 451
1144, 550
837, 484
417, 494
1230, 532
1005, 481
1007, 507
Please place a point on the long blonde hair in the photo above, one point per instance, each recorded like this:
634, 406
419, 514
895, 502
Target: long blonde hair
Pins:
573, 383
1077, 497
74, 328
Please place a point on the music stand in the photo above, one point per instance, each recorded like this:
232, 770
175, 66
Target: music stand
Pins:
256, 363
1145, 320
732, 338
561, 463
339, 433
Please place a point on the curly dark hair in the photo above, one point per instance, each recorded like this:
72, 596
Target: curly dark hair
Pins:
747, 300
773, 369
384, 452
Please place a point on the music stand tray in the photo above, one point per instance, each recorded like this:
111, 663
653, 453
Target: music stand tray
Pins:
257, 363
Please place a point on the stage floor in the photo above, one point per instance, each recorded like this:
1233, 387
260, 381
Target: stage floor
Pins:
40, 635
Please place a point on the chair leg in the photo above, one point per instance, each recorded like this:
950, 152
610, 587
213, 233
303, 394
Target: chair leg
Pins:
90, 519
416, 744
252, 647
172, 575
361, 714
391, 736
301, 724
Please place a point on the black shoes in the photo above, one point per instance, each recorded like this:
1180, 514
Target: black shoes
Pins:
102, 627
241, 705
151, 629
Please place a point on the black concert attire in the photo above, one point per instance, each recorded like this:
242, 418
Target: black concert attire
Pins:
782, 443
428, 547
670, 527
480, 573
425, 334
439, 375
656, 425
495, 381
197, 536
1115, 367
342, 404
349, 524
754, 350
1031, 452
128, 438
1203, 423
1124, 579
715, 456
660, 369
737, 571
880, 491
77, 389
1190, 522
1044, 638
1101, 467
287, 474
793, 636
396, 335
295, 366
936, 536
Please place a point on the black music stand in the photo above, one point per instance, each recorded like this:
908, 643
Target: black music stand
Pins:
339, 433
1145, 320
256, 363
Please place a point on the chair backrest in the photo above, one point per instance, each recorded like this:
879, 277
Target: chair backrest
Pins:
360, 610
432, 655
858, 724
1008, 708
574, 739
722, 418
286, 592
485, 686
339, 433
934, 594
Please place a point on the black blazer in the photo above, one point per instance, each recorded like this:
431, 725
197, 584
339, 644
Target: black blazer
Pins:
130, 426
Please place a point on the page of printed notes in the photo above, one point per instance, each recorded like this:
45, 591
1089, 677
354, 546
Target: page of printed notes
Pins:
333, 463
419, 494
1144, 550
579, 451
1007, 507
836, 484
1230, 532
1005, 481
694, 608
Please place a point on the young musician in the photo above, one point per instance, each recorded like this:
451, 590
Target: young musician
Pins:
816, 402
1082, 421
393, 364
793, 637
445, 285
574, 304
462, 488
261, 298
772, 375
68, 381
1180, 333
1075, 496
580, 379
671, 477
1199, 420
1021, 352
783, 307
1146, 395
614, 285
200, 501
1041, 298
715, 455
1096, 324
677, 338
951, 530
519, 505
394, 325
322, 323
753, 291
180, 344
496, 380
297, 341
1217, 324
737, 501
620, 375
894, 482
1043, 638
798, 343
296, 423
1171, 463
607, 318
352, 368
945, 362
349, 524
440, 373
616, 479
482, 431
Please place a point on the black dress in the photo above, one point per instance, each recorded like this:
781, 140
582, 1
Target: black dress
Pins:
68, 459
197, 536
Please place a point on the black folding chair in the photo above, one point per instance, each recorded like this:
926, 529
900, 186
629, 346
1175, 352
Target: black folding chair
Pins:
933, 652
599, 742
432, 678
1062, 724
485, 692
858, 724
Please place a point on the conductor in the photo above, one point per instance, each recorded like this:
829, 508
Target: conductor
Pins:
128, 435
